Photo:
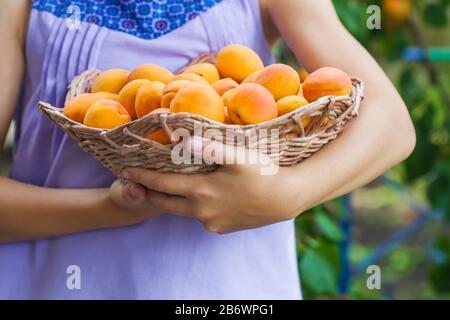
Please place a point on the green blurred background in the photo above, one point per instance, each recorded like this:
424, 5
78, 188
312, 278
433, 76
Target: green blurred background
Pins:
400, 222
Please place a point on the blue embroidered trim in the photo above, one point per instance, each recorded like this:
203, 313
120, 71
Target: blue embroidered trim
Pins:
147, 19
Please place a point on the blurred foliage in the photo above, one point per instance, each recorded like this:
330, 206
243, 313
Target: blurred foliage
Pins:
423, 85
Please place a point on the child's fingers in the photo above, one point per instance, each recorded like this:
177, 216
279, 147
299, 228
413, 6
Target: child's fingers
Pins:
171, 204
127, 195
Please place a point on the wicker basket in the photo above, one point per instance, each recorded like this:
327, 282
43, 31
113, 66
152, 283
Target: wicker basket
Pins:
126, 146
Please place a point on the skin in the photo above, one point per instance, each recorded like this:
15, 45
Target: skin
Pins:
381, 137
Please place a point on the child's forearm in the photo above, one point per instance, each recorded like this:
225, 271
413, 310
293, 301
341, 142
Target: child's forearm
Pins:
30, 212
382, 135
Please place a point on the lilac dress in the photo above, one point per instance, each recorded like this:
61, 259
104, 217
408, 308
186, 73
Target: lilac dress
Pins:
168, 257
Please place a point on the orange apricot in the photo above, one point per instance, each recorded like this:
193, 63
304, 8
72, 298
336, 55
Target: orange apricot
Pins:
167, 99
159, 135
226, 97
397, 11
112, 80
238, 62
127, 96
326, 82
148, 98
106, 114
252, 77
280, 79
199, 99
171, 89
207, 71
76, 108
151, 72
251, 103
223, 85
189, 76
291, 103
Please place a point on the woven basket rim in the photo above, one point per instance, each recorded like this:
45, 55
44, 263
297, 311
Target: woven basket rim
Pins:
358, 85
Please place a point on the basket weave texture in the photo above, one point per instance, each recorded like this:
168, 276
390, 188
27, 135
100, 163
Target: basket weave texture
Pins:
283, 139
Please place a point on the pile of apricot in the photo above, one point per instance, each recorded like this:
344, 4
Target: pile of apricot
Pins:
238, 89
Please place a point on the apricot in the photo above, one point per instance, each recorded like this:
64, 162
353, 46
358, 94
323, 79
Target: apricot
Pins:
127, 96
167, 100
226, 97
151, 72
397, 11
251, 103
174, 86
238, 62
223, 85
171, 89
280, 79
148, 98
227, 117
326, 82
189, 76
76, 108
112, 80
199, 99
106, 114
291, 103
252, 77
159, 135
207, 71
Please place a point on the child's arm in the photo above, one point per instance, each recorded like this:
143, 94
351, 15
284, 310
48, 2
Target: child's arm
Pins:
382, 135
30, 212
238, 197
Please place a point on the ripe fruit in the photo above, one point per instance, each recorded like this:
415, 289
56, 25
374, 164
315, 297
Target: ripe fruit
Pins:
237, 62
171, 89
148, 98
189, 76
127, 96
159, 135
226, 97
280, 79
250, 104
326, 82
223, 85
397, 11
207, 71
291, 103
106, 114
112, 80
252, 77
199, 99
151, 72
76, 108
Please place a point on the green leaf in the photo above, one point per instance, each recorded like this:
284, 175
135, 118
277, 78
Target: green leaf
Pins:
316, 274
328, 227
435, 15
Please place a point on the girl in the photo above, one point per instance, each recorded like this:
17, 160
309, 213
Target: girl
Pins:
60, 210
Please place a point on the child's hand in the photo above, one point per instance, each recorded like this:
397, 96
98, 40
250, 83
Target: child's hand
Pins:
128, 204
235, 197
